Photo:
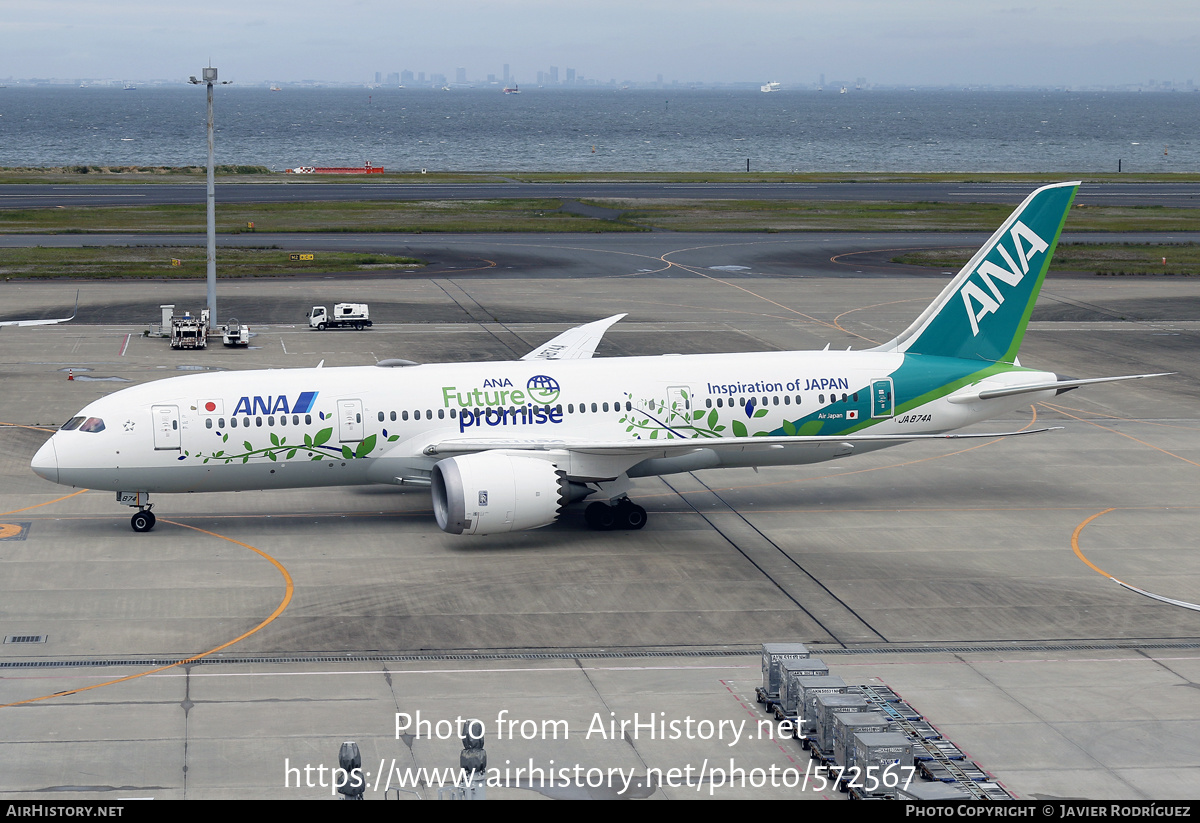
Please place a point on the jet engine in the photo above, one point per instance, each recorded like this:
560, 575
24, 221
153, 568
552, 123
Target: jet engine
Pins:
495, 492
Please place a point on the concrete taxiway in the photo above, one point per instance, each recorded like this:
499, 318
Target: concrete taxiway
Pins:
976, 579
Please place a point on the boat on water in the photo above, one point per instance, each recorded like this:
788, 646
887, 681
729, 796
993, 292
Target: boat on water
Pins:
514, 89
767, 88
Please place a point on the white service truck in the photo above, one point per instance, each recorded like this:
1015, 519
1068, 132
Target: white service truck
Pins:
234, 333
344, 315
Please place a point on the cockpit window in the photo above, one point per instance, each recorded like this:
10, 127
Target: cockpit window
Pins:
71, 424
92, 424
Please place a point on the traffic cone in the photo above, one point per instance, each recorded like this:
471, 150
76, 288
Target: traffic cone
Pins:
70, 374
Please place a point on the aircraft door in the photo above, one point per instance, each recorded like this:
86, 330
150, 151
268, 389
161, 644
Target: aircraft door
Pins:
350, 421
165, 420
679, 404
882, 401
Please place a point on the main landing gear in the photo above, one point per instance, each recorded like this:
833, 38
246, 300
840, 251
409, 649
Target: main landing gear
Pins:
143, 520
625, 515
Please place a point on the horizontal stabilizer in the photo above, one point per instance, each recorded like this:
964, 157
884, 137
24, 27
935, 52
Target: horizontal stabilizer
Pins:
1057, 385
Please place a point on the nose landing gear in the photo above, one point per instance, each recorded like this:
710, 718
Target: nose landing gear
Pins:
143, 520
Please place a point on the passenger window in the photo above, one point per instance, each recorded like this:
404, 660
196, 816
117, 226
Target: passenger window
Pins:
404, 415
221, 423
606, 407
393, 417
441, 414
258, 422
208, 422
271, 420
593, 407
308, 419
381, 417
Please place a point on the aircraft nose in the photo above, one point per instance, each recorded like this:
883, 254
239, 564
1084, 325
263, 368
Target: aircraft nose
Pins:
45, 462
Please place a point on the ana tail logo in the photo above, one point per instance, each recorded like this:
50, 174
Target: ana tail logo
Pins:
1012, 275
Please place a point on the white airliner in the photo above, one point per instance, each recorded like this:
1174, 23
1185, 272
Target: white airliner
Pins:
506, 446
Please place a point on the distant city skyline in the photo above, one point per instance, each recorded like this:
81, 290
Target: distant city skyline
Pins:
933, 43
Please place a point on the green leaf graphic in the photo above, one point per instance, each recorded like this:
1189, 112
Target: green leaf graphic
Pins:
365, 447
739, 428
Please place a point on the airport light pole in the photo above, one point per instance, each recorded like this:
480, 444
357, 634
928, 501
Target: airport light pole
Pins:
210, 79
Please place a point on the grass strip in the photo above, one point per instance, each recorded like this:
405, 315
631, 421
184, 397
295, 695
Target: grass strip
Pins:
105, 262
467, 216
1102, 258
784, 215
372, 216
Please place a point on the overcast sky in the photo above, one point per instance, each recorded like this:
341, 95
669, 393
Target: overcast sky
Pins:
1069, 42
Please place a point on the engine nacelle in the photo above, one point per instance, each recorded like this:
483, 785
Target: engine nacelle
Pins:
495, 492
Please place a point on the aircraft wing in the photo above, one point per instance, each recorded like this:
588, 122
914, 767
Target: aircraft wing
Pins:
578, 343
670, 447
48, 322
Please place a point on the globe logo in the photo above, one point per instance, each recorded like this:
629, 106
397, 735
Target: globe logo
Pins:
543, 389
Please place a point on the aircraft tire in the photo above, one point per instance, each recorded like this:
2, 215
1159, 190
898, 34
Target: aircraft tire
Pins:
143, 521
631, 516
600, 517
